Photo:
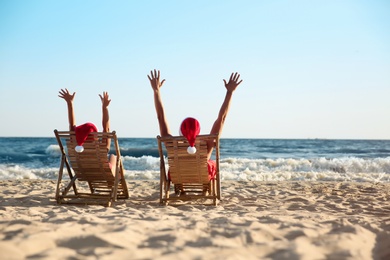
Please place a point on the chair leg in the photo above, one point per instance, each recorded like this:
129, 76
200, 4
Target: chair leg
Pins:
59, 180
218, 186
167, 192
215, 192
162, 189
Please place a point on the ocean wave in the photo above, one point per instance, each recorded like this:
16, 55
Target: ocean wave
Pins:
53, 150
8, 172
318, 169
336, 169
341, 165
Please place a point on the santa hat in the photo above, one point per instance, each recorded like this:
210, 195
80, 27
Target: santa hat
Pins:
82, 132
190, 128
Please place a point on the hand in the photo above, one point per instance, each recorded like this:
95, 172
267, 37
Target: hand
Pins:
154, 79
66, 95
105, 99
233, 82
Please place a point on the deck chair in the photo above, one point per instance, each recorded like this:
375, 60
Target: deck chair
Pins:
188, 172
90, 178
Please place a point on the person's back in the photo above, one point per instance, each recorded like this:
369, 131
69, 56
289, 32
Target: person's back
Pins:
83, 131
190, 127
217, 127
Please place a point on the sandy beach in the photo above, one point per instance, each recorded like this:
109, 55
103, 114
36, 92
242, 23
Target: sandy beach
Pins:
255, 220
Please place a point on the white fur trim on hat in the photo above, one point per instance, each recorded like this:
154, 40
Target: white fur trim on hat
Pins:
191, 150
79, 148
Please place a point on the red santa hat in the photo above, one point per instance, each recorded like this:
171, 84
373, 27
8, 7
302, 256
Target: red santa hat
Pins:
190, 128
82, 132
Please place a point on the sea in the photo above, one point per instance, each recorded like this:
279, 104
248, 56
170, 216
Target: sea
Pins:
240, 159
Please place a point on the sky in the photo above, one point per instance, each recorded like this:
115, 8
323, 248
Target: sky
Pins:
310, 69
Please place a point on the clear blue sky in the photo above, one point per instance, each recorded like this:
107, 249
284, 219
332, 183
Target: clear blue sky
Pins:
311, 69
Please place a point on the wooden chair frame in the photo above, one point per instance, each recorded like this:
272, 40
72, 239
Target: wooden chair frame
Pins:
188, 173
90, 167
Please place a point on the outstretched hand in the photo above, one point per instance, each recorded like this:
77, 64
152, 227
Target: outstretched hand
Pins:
66, 95
105, 99
233, 83
154, 79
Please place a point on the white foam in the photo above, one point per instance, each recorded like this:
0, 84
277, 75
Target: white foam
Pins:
20, 172
241, 169
339, 169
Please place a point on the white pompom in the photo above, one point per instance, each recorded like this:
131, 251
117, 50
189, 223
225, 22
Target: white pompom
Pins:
191, 150
79, 149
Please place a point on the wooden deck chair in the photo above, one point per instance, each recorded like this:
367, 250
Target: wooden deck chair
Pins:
188, 172
90, 176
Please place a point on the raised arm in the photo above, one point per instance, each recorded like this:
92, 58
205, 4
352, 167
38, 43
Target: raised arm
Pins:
105, 116
230, 86
154, 79
69, 101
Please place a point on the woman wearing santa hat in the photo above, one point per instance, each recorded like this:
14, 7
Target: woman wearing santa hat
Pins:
82, 131
190, 127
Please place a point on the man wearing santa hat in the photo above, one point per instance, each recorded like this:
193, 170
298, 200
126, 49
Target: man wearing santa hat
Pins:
82, 131
190, 127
